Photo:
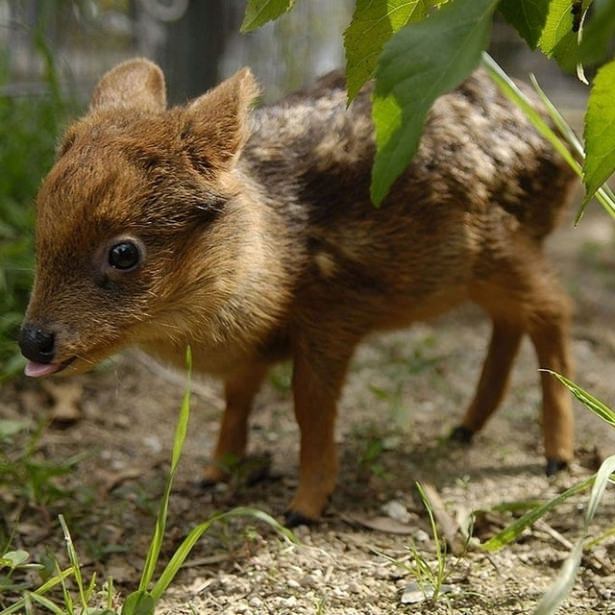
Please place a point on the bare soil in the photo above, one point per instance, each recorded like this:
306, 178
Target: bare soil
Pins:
405, 393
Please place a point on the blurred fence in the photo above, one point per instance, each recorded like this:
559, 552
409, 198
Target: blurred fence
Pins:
197, 42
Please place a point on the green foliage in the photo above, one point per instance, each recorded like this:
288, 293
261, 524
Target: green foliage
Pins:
418, 64
548, 26
419, 56
373, 23
558, 34
429, 577
598, 407
143, 600
527, 16
23, 471
600, 131
564, 583
514, 530
563, 144
259, 12
598, 37
28, 131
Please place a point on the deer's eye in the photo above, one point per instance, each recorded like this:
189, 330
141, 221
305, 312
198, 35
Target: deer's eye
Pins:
124, 256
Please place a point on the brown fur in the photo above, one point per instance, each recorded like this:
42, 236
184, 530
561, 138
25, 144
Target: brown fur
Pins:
261, 244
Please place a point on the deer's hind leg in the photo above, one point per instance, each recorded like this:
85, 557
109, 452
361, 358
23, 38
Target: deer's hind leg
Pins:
494, 379
522, 296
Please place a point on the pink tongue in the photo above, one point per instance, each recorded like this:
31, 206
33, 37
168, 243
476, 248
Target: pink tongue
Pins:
36, 370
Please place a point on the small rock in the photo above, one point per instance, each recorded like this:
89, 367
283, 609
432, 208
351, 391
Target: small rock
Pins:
255, 602
294, 584
421, 536
290, 602
414, 593
355, 588
308, 581
396, 510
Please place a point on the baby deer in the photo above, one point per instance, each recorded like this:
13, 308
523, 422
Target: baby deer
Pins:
249, 234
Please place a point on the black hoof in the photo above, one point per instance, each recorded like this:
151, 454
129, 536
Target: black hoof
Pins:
554, 466
461, 434
294, 519
206, 484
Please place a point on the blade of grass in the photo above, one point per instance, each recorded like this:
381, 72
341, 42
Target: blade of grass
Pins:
43, 589
598, 407
74, 560
514, 530
590, 544
512, 91
509, 88
566, 578
109, 585
68, 600
602, 479
161, 521
558, 119
45, 602
437, 578
182, 552
556, 594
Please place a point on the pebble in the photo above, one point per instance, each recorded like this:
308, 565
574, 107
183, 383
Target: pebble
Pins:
421, 536
308, 581
396, 510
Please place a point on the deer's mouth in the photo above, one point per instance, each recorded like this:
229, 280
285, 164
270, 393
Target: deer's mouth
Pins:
39, 370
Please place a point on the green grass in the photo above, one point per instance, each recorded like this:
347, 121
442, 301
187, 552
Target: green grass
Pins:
84, 596
563, 584
29, 128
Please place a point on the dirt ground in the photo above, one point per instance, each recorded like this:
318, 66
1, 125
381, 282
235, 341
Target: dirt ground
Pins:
405, 393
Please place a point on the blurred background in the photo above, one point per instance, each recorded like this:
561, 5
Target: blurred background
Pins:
196, 42
53, 51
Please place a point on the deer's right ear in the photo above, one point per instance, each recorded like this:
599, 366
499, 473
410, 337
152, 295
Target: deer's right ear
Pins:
137, 84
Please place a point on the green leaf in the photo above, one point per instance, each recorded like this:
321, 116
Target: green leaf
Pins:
514, 530
598, 35
49, 584
600, 131
566, 578
593, 403
74, 560
10, 427
510, 89
259, 12
139, 603
557, 26
563, 585
182, 552
45, 602
421, 62
13, 559
153, 552
528, 17
373, 23
603, 476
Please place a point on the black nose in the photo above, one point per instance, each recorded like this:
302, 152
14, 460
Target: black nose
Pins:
36, 344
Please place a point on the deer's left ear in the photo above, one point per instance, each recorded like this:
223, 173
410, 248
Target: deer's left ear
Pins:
137, 84
217, 123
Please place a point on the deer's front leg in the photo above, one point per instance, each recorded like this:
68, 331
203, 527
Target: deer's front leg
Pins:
318, 376
240, 389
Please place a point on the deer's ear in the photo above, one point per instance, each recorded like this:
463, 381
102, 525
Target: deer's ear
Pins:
137, 84
217, 123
